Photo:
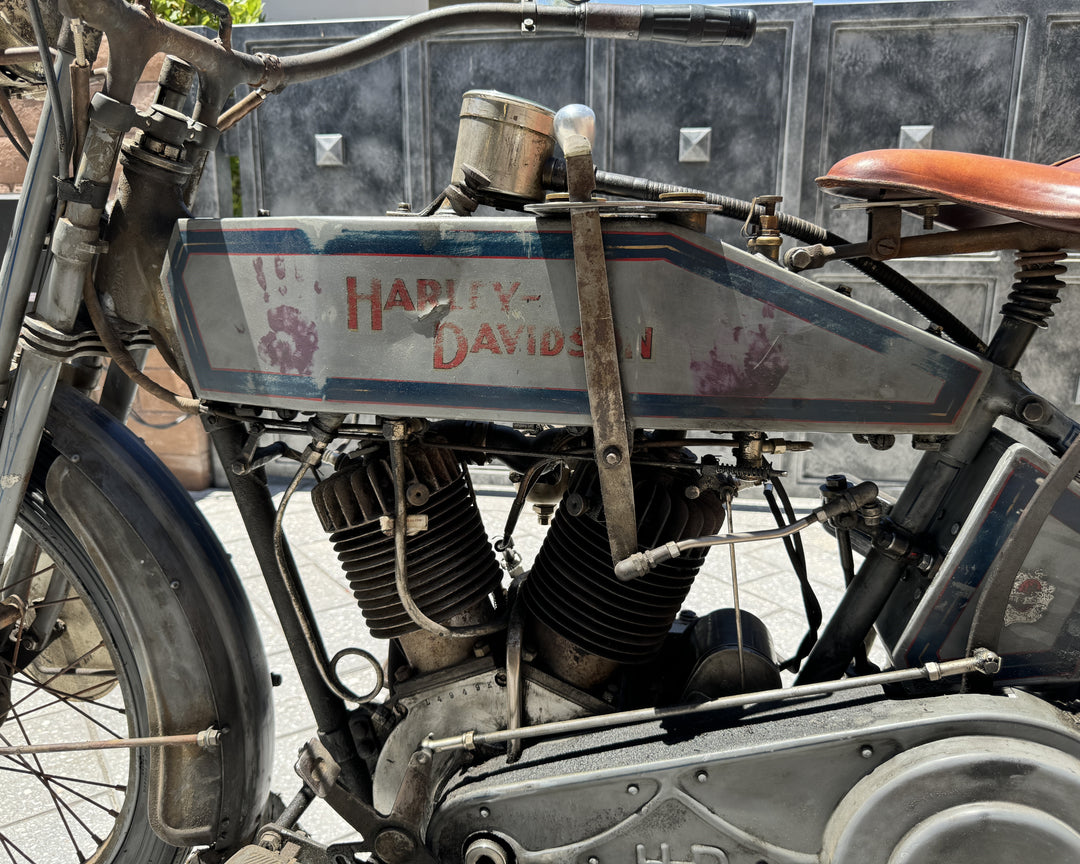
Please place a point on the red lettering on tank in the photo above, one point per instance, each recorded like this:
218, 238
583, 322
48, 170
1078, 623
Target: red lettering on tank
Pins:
486, 341
575, 338
551, 342
505, 296
354, 298
510, 342
646, 344
399, 297
461, 346
428, 292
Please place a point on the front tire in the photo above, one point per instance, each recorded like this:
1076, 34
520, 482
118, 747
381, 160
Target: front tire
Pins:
83, 685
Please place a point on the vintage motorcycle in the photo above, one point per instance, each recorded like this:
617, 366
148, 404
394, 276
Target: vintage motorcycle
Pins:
567, 711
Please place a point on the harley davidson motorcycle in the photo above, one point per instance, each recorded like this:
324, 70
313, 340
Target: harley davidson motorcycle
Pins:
590, 335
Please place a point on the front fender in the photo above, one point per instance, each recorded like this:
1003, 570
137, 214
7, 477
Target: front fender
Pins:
189, 619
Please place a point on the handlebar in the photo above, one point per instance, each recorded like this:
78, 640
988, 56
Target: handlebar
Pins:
695, 25
136, 34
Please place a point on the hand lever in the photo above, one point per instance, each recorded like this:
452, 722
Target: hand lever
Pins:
574, 126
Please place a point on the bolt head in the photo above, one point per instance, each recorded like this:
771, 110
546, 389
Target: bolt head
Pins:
1033, 410
417, 494
800, 258
702, 776
394, 846
613, 456
866, 751
633, 789
886, 247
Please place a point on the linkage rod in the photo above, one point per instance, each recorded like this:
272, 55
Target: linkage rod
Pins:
208, 739
986, 662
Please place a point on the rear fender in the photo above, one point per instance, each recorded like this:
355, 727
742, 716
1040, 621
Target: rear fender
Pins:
190, 622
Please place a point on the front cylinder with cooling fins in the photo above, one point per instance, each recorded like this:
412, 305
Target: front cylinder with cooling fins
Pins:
573, 589
451, 565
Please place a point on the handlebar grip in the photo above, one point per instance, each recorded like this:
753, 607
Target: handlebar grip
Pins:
698, 25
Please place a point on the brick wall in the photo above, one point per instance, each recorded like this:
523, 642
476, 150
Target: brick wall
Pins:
179, 440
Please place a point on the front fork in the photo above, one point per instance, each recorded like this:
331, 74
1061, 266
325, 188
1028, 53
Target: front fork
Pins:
74, 244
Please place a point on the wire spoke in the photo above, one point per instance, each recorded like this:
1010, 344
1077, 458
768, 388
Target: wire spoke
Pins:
7, 588
74, 707
62, 697
86, 798
40, 684
73, 702
41, 604
10, 844
114, 786
40, 776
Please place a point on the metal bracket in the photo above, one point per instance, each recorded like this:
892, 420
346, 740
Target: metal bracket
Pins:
84, 192
317, 768
395, 838
885, 232
610, 436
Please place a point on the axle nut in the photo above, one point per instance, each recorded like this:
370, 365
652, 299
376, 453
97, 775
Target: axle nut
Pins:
486, 848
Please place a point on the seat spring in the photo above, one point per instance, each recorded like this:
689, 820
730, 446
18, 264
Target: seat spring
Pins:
1035, 291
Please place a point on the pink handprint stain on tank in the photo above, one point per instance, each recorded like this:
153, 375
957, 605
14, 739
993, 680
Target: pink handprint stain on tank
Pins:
760, 371
260, 277
291, 344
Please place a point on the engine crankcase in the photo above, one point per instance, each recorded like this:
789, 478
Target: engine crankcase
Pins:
848, 781
473, 697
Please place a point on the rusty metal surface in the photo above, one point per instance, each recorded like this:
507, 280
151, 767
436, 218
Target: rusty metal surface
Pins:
601, 356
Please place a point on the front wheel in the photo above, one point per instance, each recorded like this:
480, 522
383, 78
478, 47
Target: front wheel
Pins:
68, 673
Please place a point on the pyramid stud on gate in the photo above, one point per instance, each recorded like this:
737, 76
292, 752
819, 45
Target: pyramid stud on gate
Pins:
695, 142
916, 137
329, 151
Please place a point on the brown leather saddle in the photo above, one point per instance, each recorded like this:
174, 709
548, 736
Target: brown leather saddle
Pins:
986, 190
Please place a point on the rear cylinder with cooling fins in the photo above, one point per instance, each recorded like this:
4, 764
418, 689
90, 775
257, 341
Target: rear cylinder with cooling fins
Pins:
573, 590
451, 565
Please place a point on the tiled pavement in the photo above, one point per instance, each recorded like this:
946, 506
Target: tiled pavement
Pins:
767, 587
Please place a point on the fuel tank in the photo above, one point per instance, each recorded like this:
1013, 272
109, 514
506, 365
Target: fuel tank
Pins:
477, 318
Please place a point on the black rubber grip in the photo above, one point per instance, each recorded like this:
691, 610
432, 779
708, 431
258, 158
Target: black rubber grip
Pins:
698, 25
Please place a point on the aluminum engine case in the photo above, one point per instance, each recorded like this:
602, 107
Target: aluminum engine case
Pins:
768, 787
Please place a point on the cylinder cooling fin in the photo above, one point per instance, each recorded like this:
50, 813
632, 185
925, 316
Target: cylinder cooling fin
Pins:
451, 565
573, 589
